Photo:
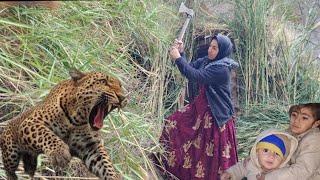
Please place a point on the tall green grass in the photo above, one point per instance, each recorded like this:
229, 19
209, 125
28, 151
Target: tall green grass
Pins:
278, 63
39, 46
276, 57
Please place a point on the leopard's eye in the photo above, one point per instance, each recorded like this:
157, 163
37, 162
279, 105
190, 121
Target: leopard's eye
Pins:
103, 81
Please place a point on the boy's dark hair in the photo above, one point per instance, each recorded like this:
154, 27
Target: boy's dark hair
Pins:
315, 108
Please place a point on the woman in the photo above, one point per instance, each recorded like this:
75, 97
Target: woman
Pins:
200, 138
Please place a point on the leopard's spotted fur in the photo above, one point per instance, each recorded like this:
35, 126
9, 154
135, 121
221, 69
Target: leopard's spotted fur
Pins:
65, 124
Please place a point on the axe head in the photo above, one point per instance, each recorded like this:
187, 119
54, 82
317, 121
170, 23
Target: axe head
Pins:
184, 9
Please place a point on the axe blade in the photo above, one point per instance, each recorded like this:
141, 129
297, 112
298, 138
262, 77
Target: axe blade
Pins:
189, 12
183, 9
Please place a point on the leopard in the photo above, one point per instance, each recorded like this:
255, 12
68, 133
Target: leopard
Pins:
65, 124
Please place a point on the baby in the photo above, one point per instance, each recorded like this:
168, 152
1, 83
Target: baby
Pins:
272, 149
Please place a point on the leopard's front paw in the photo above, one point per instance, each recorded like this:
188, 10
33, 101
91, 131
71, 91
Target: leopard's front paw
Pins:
61, 157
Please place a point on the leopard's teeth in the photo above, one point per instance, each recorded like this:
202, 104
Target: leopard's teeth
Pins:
109, 108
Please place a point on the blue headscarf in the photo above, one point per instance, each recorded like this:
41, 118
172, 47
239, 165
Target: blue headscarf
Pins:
225, 49
225, 46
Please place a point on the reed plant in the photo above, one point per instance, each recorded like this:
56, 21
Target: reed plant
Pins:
274, 50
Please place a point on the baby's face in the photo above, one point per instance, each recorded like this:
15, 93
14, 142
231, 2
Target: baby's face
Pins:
268, 159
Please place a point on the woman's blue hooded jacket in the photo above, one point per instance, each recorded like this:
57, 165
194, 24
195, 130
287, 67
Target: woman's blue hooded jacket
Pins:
216, 75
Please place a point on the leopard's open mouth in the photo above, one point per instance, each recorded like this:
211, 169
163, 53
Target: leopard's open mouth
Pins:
98, 113
102, 108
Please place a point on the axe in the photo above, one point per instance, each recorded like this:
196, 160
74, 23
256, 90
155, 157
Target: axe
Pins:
189, 12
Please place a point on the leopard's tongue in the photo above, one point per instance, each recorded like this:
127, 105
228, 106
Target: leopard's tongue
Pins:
98, 119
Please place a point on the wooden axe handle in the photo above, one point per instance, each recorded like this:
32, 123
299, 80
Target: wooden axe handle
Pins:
184, 28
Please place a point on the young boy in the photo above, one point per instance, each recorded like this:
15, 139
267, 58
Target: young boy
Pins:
305, 162
272, 150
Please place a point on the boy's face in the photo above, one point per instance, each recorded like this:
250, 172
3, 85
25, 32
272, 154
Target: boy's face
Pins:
303, 120
268, 159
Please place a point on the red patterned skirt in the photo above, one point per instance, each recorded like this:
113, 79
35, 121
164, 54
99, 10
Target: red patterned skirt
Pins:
196, 148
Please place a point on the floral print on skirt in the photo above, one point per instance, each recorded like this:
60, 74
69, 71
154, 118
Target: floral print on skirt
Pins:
196, 148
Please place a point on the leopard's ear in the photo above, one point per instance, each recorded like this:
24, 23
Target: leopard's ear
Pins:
76, 74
